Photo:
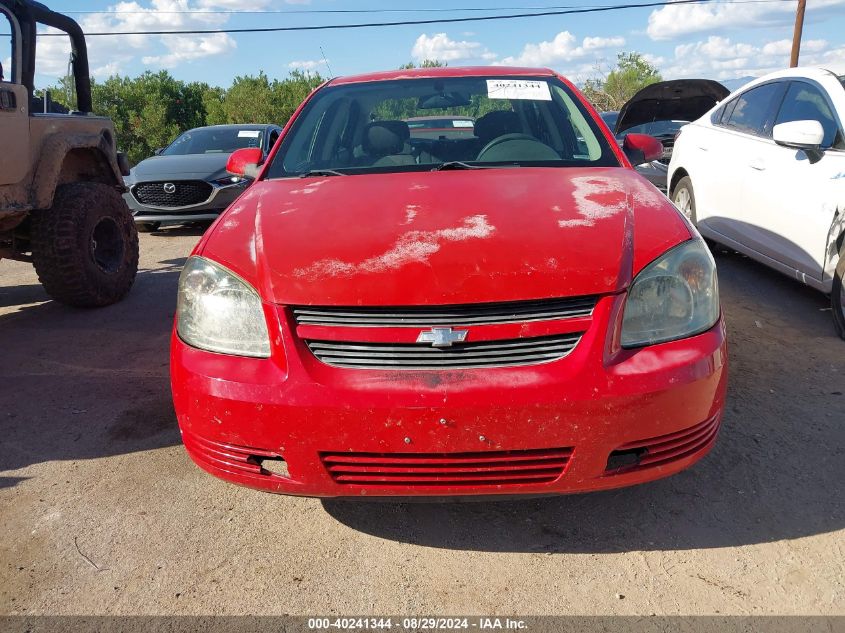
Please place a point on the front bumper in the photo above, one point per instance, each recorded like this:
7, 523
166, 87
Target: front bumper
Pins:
219, 200
657, 408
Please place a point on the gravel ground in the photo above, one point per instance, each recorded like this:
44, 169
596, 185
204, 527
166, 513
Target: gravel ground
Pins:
102, 512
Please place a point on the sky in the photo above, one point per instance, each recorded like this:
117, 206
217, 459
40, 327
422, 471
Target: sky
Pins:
719, 40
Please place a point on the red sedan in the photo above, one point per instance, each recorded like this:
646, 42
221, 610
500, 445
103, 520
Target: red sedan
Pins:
515, 311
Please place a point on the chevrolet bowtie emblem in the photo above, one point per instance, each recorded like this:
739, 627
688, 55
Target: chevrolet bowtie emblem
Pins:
442, 336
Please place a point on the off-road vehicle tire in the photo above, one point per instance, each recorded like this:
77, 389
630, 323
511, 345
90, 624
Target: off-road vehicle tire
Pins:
837, 297
85, 248
147, 227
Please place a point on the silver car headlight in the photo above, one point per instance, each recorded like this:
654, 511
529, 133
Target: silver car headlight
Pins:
219, 312
674, 297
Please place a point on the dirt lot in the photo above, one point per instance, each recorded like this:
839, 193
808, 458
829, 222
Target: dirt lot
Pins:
101, 511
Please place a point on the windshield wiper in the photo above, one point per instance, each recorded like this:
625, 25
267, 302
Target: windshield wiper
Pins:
456, 164
321, 172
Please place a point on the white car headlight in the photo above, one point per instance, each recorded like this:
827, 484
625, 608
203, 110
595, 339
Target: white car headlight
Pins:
219, 312
674, 297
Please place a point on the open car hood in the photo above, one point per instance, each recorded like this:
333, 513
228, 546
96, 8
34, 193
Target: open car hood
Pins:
676, 100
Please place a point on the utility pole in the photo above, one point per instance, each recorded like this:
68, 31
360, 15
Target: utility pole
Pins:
796, 36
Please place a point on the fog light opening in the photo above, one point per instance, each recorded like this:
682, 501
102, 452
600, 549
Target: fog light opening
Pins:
273, 466
621, 460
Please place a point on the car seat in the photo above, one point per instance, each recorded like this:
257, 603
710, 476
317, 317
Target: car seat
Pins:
388, 143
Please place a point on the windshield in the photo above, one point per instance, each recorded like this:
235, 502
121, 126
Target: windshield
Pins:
657, 128
610, 118
209, 140
421, 124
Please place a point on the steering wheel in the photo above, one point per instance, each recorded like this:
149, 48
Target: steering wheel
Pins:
543, 151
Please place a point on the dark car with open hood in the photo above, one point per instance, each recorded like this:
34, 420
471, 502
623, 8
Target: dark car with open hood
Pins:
187, 181
661, 110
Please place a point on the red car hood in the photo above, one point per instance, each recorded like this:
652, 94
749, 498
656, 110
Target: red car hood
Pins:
445, 237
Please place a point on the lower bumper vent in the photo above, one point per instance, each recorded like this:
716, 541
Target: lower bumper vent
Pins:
660, 450
235, 459
494, 468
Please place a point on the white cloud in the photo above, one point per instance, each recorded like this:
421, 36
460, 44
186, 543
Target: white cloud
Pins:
307, 64
111, 54
784, 47
718, 57
183, 49
674, 21
562, 49
441, 47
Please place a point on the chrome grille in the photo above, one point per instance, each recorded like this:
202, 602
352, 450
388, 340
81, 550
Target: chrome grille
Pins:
454, 315
186, 193
501, 353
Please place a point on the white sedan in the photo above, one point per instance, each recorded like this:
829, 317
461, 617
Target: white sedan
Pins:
764, 173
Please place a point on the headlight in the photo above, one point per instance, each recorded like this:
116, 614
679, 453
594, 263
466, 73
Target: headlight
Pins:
674, 297
228, 181
219, 312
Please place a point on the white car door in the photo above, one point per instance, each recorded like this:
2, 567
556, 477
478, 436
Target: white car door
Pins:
790, 195
737, 131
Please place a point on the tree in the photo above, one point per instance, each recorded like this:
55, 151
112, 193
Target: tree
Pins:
632, 73
292, 91
426, 63
151, 110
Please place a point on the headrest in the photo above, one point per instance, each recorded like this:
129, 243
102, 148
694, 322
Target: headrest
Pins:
382, 138
495, 124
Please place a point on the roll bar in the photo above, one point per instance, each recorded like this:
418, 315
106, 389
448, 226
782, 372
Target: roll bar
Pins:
29, 15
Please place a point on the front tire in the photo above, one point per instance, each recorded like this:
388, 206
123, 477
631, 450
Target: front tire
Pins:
837, 297
85, 248
684, 198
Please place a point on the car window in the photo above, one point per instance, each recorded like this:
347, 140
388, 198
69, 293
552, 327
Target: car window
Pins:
753, 111
610, 118
657, 128
721, 116
274, 136
418, 124
223, 140
806, 102
441, 127
6, 44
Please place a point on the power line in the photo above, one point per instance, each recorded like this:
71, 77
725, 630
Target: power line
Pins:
362, 25
234, 12
331, 11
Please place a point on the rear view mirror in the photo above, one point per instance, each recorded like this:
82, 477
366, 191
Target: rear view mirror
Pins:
806, 135
245, 162
443, 100
642, 148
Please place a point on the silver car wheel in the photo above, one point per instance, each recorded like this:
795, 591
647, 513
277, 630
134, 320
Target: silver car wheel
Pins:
683, 201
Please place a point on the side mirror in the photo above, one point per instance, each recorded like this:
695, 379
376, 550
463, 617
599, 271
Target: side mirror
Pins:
642, 148
158, 151
806, 135
245, 162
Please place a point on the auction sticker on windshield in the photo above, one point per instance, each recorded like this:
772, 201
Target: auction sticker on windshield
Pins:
249, 133
518, 89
